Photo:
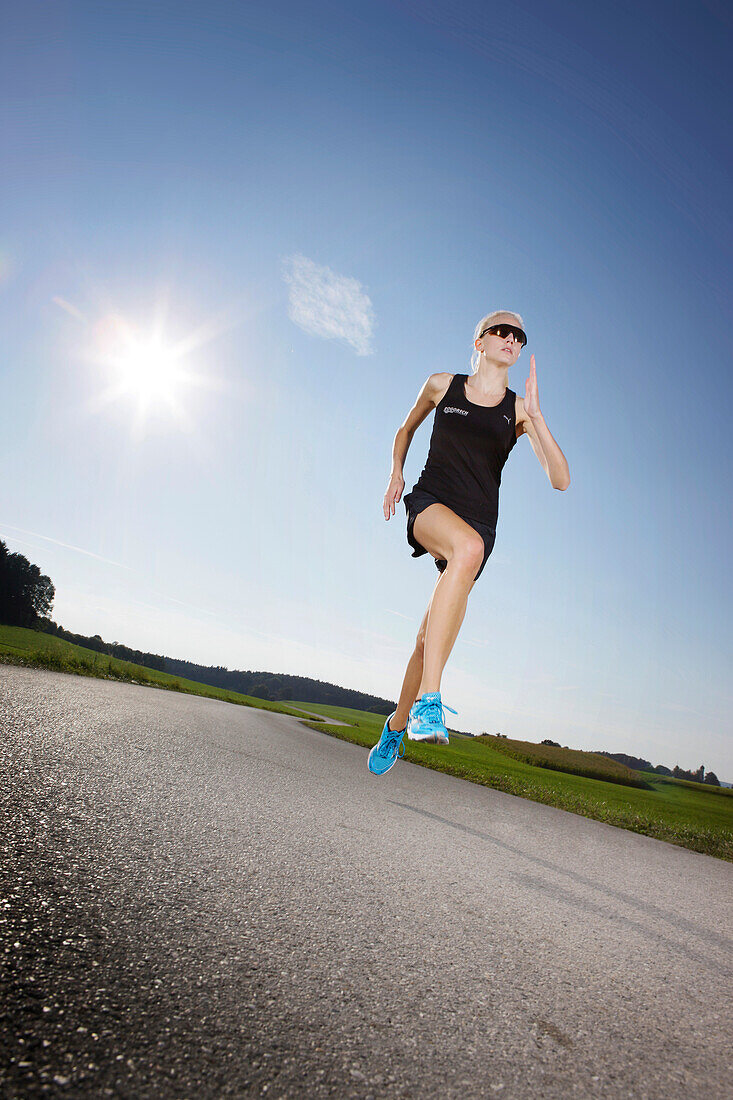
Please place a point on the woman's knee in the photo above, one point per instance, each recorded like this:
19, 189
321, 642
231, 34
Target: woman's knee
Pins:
468, 553
449, 538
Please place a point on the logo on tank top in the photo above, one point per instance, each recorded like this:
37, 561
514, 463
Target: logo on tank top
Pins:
507, 418
453, 409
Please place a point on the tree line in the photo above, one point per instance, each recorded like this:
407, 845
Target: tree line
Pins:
700, 776
641, 765
26, 594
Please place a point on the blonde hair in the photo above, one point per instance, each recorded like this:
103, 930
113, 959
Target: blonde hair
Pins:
484, 323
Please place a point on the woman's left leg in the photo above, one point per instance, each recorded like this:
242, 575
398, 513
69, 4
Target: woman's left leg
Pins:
431, 677
413, 676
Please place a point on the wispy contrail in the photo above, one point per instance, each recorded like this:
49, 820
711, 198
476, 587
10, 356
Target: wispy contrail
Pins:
63, 304
66, 545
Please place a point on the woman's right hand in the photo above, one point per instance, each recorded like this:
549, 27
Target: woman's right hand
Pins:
393, 494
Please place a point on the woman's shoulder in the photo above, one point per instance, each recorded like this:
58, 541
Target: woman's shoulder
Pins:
439, 384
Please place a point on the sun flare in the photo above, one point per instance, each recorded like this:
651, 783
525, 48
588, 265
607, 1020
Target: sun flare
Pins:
149, 370
146, 369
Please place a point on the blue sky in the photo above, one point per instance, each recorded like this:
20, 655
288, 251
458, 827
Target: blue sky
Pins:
315, 204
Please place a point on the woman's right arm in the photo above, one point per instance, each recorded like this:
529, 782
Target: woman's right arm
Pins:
427, 399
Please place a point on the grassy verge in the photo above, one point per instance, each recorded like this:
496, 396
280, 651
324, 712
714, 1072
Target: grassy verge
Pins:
682, 813
32, 649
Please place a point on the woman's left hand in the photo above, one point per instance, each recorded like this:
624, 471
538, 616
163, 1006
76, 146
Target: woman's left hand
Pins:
531, 397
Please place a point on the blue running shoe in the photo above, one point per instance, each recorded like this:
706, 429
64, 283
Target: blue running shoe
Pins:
387, 749
427, 721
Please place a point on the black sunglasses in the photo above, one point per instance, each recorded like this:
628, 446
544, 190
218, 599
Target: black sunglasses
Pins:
503, 331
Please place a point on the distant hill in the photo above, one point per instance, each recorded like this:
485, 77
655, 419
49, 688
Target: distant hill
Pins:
274, 686
638, 764
635, 762
280, 685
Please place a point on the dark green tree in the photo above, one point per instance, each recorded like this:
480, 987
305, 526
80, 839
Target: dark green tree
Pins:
26, 594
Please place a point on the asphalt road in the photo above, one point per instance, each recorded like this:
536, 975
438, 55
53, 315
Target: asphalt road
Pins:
200, 899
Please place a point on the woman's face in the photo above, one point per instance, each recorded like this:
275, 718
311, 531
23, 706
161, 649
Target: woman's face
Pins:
500, 350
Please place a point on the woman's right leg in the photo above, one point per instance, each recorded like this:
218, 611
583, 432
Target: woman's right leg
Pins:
445, 535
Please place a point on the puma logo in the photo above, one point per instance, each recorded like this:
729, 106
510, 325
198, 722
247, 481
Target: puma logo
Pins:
507, 418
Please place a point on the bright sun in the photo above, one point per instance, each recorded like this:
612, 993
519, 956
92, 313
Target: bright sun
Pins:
146, 369
149, 370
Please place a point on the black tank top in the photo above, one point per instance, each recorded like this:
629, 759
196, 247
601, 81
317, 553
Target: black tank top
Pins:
468, 448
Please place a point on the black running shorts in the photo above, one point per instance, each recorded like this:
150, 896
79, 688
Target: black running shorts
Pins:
417, 501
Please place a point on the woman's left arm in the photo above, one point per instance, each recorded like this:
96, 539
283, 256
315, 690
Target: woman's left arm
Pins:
544, 446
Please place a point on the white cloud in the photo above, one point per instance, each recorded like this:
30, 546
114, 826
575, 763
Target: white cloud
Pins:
327, 304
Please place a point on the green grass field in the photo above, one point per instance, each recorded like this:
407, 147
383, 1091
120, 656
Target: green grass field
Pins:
590, 764
688, 814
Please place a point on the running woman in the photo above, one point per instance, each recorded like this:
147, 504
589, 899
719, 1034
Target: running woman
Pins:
454, 506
